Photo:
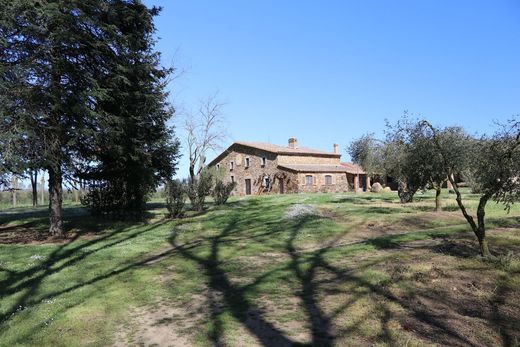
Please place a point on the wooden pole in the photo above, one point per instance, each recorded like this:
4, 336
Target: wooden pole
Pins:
14, 184
42, 189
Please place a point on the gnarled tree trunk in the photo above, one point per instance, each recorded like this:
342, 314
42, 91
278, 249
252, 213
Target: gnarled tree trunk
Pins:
480, 228
438, 191
405, 194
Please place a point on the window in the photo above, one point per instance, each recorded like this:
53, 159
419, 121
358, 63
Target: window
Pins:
232, 179
309, 180
267, 182
218, 166
231, 165
263, 161
247, 162
328, 180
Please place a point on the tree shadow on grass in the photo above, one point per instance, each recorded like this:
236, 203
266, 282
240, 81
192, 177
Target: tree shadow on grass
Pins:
305, 271
308, 268
234, 296
77, 222
65, 255
364, 199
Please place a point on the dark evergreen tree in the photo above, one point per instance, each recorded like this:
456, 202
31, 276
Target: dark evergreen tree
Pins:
62, 65
136, 150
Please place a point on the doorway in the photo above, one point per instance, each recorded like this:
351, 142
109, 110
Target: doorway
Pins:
282, 186
248, 186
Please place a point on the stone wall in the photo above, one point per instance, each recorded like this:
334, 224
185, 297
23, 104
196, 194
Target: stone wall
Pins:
256, 172
291, 182
339, 183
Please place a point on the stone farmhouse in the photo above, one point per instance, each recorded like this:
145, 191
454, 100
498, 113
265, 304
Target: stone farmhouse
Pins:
264, 168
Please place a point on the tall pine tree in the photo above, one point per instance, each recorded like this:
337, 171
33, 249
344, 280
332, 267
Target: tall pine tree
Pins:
65, 69
136, 149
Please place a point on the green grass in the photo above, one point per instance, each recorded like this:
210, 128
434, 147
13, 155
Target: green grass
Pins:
363, 272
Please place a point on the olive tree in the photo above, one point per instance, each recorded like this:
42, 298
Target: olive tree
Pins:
390, 157
367, 152
406, 154
492, 161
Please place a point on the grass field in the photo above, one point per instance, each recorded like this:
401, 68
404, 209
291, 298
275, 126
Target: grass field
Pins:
355, 270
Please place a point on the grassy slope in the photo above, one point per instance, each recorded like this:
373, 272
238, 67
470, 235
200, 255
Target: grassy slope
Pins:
369, 271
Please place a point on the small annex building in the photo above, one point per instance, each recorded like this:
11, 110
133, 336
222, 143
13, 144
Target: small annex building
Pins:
264, 168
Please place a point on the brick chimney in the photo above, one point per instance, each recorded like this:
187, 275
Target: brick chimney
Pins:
336, 148
293, 142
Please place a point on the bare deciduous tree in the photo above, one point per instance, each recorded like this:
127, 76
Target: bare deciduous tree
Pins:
204, 132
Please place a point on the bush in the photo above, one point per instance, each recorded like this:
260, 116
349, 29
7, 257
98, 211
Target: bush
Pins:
116, 198
199, 188
175, 198
471, 181
222, 191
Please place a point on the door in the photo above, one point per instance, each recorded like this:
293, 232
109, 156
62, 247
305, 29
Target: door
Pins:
282, 187
248, 186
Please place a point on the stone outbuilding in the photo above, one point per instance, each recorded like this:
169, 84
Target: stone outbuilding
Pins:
264, 168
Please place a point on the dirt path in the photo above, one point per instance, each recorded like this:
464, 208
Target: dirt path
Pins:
154, 326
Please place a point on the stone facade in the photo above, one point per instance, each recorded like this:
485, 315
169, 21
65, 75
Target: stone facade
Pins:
338, 182
259, 168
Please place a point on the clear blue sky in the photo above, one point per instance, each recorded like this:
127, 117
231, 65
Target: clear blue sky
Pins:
329, 71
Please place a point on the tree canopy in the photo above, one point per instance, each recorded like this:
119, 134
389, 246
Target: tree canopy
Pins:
81, 79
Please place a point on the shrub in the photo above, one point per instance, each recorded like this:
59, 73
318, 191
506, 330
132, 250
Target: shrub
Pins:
175, 198
199, 188
471, 181
117, 199
222, 191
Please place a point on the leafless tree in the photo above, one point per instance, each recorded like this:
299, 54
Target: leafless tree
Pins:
205, 131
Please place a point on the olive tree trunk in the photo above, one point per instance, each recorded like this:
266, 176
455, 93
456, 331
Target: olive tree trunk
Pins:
438, 191
405, 194
478, 228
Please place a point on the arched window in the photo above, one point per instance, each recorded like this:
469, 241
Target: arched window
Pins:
309, 180
328, 180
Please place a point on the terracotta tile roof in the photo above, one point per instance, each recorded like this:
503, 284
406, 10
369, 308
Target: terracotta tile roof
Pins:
313, 167
353, 168
343, 167
269, 147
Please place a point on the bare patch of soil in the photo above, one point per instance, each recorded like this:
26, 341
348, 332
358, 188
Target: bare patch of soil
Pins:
153, 326
445, 302
27, 235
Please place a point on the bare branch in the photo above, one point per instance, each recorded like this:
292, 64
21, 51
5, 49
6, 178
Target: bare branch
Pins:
205, 131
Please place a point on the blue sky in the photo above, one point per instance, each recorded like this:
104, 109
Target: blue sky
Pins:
330, 71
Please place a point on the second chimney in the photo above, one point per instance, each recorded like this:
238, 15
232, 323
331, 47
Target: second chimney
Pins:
336, 148
293, 142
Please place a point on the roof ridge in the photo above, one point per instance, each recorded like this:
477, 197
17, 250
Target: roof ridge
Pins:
284, 149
